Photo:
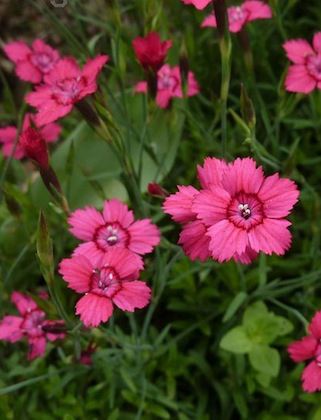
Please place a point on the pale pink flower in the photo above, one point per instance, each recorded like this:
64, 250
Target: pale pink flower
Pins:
8, 136
239, 16
246, 212
169, 85
115, 227
64, 86
107, 281
304, 75
309, 347
32, 63
151, 51
199, 4
32, 324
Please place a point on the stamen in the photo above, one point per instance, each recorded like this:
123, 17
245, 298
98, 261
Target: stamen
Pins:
245, 211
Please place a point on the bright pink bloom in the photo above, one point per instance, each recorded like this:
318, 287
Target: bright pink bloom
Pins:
31, 324
169, 85
199, 4
309, 347
239, 16
32, 63
49, 133
304, 75
141, 87
247, 211
111, 279
151, 51
237, 213
34, 147
64, 86
115, 227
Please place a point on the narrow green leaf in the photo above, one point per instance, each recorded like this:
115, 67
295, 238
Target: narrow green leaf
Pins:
238, 300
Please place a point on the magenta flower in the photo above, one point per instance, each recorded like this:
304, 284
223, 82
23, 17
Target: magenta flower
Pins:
199, 4
169, 85
115, 227
66, 85
32, 324
304, 75
238, 210
151, 51
32, 63
307, 348
239, 16
49, 133
111, 279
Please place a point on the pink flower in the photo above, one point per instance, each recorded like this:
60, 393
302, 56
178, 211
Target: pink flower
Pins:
111, 279
199, 4
247, 211
64, 86
115, 227
151, 51
49, 133
169, 85
35, 147
238, 212
304, 75
309, 347
31, 324
239, 16
32, 63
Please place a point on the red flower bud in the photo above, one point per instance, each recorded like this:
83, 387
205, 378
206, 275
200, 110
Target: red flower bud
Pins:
35, 147
156, 190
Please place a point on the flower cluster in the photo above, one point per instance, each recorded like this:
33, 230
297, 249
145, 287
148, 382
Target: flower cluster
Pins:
163, 81
105, 268
237, 213
31, 324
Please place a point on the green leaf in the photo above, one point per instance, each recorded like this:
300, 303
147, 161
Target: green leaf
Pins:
234, 305
236, 341
266, 360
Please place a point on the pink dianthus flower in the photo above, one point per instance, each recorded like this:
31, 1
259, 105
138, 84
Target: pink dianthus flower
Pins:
49, 133
115, 227
32, 63
32, 324
238, 211
304, 75
111, 279
239, 16
309, 348
169, 85
63, 87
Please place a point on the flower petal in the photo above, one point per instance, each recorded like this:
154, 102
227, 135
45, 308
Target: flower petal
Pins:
23, 303
271, 236
144, 236
10, 328
211, 172
84, 223
94, 309
297, 50
116, 211
315, 326
17, 51
132, 295
211, 205
311, 377
179, 205
77, 272
37, 347
298, 80
194, 241
126, 263
303, 349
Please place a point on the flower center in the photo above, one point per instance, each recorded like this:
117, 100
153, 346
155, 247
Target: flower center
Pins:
245, 211
236, 14
111, 235
43, 61
66, 91
105, 282
313, 64
166, 82
32, 324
